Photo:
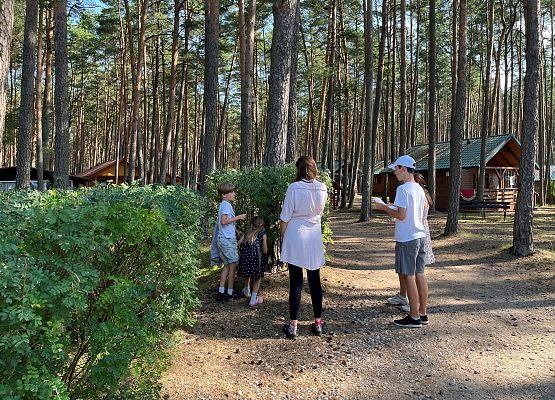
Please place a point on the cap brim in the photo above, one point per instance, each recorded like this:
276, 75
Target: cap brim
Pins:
391, 166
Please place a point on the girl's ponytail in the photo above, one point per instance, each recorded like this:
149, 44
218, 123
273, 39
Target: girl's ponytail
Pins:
257, 224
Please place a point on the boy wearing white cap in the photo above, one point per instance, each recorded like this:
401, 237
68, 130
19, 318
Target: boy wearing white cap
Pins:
410, 202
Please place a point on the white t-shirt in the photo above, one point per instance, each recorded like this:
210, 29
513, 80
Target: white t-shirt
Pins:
411, 197
228, 230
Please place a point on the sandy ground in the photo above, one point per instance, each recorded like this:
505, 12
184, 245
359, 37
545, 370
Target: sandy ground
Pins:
491, 333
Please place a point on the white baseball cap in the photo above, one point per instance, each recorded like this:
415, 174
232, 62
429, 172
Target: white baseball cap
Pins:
404, 161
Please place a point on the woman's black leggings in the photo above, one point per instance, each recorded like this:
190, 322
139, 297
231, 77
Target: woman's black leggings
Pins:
296, 287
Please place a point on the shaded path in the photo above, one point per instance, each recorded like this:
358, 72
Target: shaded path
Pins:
491, 333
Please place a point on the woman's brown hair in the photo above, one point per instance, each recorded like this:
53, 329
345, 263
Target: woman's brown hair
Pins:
306, 169
419, 178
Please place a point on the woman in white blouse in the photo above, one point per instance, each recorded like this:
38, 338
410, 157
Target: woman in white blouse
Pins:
303, 247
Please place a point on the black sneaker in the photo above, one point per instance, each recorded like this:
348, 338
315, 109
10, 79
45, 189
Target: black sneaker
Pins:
408, 322
220, 297
316, 330
424, 319
289, 335
229, 297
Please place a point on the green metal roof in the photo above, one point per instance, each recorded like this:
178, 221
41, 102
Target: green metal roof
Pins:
470, 152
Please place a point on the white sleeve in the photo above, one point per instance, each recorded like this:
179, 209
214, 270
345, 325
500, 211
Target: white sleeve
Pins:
288, 206
401, 197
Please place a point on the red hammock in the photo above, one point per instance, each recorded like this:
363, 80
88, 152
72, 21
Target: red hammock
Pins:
468, 194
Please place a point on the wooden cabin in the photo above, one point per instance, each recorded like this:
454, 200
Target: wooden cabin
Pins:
339, 168
502, 163
7, 179
106, 172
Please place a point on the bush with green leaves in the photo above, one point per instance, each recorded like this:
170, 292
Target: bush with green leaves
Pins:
93, 283
261, 191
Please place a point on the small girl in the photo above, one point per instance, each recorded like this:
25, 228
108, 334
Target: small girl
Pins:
251, 251
429, 259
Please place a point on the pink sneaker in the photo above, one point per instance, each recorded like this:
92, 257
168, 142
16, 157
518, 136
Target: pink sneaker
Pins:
259, 300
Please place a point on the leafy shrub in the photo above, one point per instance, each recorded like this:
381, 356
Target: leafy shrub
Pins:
92, 284
261, 191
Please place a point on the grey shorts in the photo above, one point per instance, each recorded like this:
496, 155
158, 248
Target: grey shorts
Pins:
409, 257
227, 248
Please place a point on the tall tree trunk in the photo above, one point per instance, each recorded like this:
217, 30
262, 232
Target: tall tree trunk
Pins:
221, 146
155, 124
356, 122
379, 77
310, 146
291, 142
61, 103
411, 122
47, 102
432, 79
368, 172
541, 129
346, 140
38, 103
457, 128
285, 29
523, 235
170, 118
184, 121
519, 95
485, 107
136, 76
551, 119
25, 131
212, 33
392, 57
494, 125
246, 35
329, 80
6, 29
403, 81
454, 62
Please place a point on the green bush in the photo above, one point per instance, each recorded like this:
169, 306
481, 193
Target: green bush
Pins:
92, 285
261, 191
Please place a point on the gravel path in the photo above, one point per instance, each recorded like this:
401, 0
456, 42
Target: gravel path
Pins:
491, 333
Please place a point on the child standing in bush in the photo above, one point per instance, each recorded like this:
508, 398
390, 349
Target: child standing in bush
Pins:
224, 241
251, 251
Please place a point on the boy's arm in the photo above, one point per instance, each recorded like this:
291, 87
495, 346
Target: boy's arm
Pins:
226, 220
400, 213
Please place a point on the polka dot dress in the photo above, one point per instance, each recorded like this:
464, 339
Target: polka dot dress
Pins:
250, 258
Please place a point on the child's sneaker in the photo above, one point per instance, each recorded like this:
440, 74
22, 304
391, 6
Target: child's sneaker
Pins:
259, 300
424, 319
220, 297
230, 297
316, 329
408, 322
398, 300
288, 333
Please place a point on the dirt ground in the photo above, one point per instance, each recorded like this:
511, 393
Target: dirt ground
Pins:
491, 333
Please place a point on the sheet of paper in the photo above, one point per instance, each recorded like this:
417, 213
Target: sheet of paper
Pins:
380, 201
